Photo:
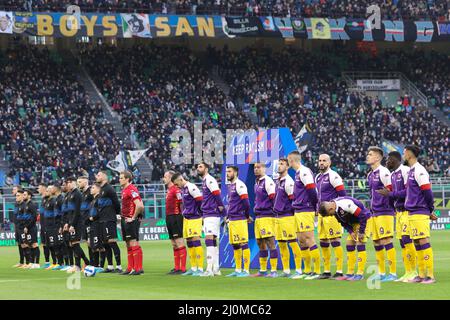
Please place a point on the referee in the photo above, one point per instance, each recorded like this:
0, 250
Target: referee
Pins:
174, 223
132, 211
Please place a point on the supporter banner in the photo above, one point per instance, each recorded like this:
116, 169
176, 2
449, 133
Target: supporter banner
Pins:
135, 25
6, 22
303, 138
243, 26
191, 26
378, 84
152, 26
125, 159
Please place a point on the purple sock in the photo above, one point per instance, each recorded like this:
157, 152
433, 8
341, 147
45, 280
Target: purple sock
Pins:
263, 253
273, 254
335, 244
324, 244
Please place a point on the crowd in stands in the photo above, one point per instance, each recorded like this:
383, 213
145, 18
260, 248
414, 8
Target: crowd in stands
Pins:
293, 87
390, 9
48, 127
157, 89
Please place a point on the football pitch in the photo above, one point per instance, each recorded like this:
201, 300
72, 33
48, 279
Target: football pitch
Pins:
155, 284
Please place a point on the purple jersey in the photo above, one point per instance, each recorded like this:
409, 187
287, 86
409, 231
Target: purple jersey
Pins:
283, 196
191, 196
418, 181
350, 211
398, 179
236, 192
210, 188
304, 180
264, 195
378, 179
328, 184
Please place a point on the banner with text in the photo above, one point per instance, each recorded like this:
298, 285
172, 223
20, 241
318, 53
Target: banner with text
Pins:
124, 25
378, 84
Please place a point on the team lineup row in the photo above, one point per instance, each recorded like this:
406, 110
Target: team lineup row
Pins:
74, 211
284, 209
401, 203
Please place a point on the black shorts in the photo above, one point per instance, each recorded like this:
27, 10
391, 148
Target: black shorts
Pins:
17, 234
95, 240
108, 231
54, 238
86, 230
174, 223
130, 230
66, 236
77, 233
30, 237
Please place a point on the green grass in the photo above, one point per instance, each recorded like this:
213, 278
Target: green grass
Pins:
154, 284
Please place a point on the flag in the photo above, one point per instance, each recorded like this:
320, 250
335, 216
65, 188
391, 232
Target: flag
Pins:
389, 146
118, 164
284, 25
320, 28
267, 23
135, 155
135, 25
303, 138
125, 159
6, 22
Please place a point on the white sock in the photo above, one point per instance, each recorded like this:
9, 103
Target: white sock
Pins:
216, 261
110, 267
287, 271
119, 267
210, 253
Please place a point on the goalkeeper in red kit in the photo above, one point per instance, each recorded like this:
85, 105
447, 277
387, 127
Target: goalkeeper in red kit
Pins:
132, 212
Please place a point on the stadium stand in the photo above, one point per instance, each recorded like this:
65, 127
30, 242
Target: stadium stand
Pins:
47, 124
391, 9
345, 123
164, 86
157, 89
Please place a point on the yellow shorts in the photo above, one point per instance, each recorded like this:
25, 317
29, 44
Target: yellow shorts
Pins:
419, 225
264, 227
285, 228
192, 228
382, 227
304, 221
329, 228
356, 230
402, 224
238, 231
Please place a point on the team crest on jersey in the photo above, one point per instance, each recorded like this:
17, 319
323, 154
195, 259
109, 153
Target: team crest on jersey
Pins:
134, 194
